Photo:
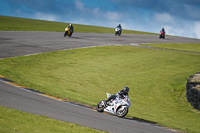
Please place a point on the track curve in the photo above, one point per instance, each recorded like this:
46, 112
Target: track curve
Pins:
17, 43
23, 43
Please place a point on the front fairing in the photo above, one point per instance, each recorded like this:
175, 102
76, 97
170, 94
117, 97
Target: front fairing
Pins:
126, 101
67, 29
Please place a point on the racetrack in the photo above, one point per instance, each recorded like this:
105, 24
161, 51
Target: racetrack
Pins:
23, 43
17, 43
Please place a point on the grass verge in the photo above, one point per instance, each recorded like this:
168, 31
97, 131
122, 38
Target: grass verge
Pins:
14, 121
193, 47
156, 79
23, 24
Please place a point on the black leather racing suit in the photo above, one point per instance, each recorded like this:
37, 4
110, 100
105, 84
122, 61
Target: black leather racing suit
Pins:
121, 94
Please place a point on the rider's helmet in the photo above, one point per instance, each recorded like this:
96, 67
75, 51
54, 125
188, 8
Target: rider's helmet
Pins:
126, 90
119, 24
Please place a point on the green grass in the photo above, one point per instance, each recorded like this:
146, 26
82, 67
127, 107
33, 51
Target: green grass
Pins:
193, 47
23, 24
14, 121
156, 78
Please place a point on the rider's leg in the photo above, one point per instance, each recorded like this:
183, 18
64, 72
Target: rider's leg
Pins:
110, 98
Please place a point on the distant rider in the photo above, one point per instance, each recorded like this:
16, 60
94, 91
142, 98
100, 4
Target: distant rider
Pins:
122, 93
163, 30
71, 28
120, 28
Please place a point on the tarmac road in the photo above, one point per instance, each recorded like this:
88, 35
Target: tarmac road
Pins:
20, 43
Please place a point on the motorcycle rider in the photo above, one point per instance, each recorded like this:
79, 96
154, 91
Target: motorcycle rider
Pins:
163, 30
71, 28
122, 93
120, 28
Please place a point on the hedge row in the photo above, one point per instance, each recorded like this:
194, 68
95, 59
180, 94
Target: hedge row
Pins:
193, 90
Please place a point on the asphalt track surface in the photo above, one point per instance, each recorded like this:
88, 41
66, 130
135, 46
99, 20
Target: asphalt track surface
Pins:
20, 43
25, 42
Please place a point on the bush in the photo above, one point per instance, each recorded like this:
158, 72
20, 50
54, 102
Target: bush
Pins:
193, 90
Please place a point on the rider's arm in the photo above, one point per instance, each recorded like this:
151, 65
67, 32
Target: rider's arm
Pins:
121, 94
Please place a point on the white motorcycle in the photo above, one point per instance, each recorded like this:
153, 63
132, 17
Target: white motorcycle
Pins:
118, 106
117, 31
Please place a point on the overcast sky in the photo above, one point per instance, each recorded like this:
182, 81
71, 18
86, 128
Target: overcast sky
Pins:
178, 17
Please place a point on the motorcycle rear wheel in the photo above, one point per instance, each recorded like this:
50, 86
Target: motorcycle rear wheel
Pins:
70, 34
122, 112
100, 106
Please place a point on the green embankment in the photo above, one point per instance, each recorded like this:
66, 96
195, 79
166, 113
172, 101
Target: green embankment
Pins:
156, 78
192, 47
24, 24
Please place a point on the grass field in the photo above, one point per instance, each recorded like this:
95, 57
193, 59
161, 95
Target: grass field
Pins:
23, 24
156, 79
14, 121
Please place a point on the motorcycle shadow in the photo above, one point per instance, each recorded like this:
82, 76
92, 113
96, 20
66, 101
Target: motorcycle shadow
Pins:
141, 120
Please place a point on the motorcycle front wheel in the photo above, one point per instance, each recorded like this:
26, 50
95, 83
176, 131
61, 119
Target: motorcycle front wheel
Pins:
100, 106
65, 34
121, 112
